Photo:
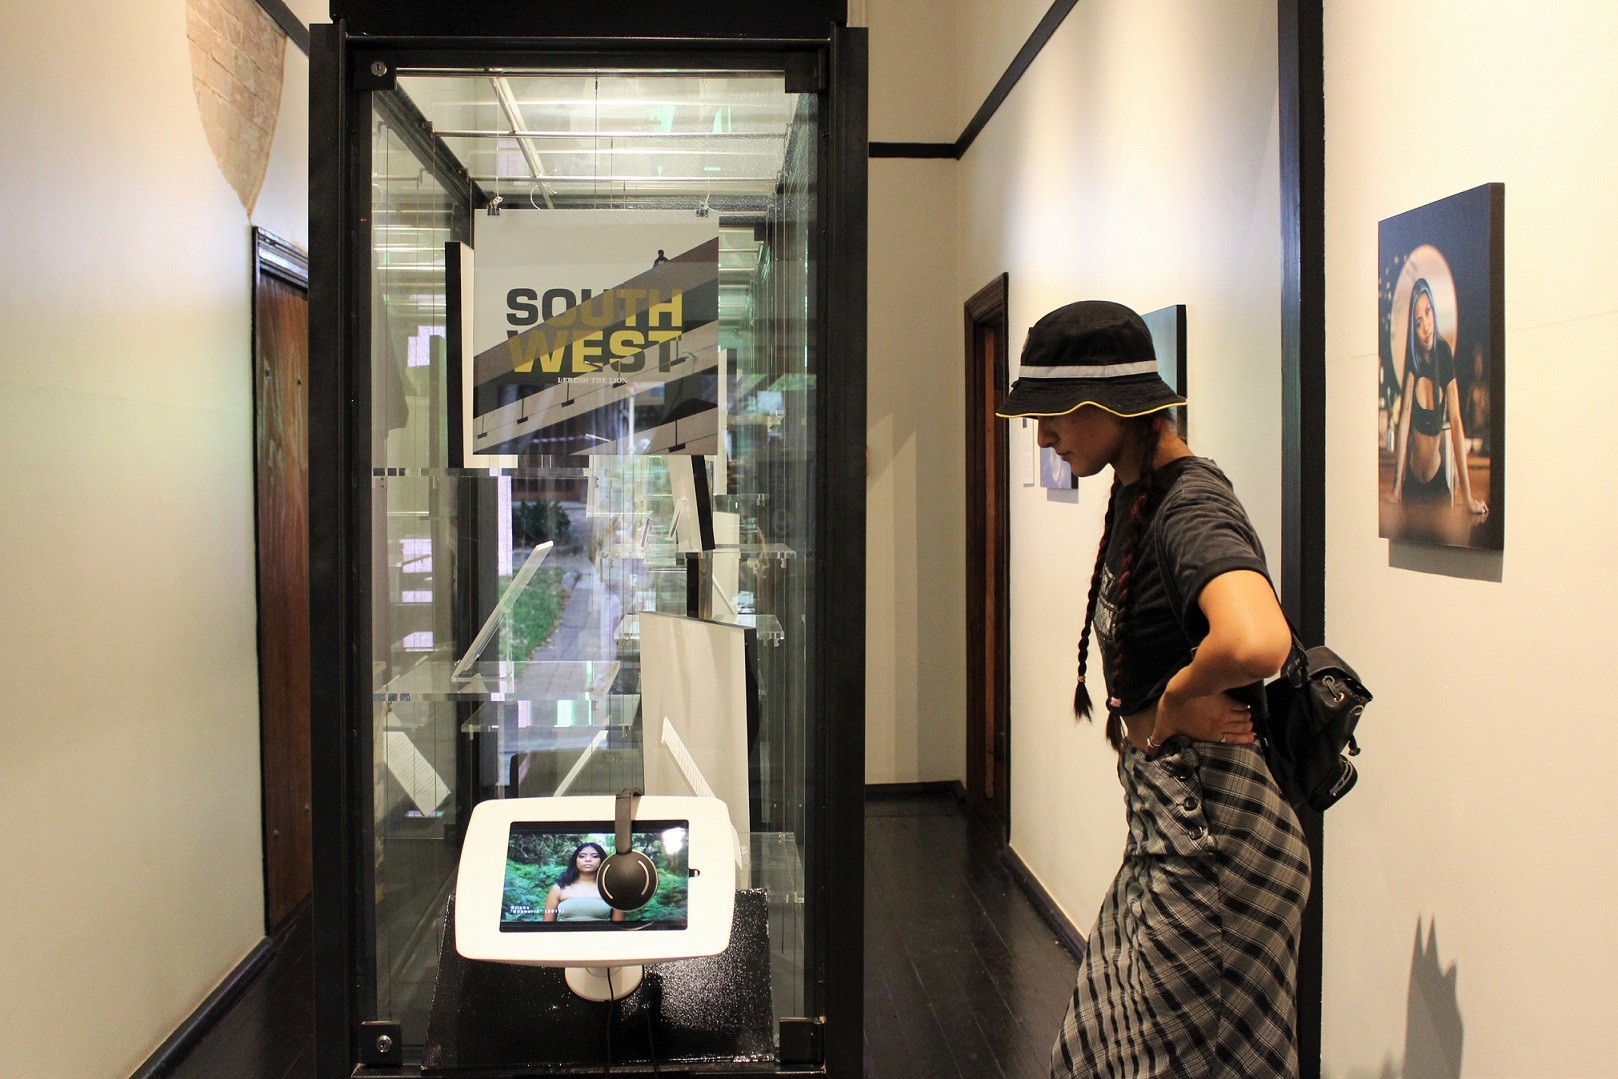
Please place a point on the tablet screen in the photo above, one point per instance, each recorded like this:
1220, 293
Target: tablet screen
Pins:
550, 883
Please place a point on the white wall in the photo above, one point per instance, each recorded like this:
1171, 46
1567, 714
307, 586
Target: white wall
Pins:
913, 75
129, 720
916, 561
283, 201
915, 632
1136, 161
1485, 795
989, 35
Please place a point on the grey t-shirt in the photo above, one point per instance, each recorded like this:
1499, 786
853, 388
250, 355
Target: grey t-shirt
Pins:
1205, 533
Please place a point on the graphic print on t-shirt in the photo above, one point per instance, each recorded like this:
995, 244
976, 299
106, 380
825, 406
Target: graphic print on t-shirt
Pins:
1106, 611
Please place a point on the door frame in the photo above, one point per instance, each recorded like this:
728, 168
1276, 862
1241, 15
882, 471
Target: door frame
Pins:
285, 262
988, 537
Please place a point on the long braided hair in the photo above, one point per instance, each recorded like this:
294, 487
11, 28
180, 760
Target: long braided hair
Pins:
1124, 585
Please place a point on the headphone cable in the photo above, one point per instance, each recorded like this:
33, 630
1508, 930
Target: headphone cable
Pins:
651, 1046
610, 1002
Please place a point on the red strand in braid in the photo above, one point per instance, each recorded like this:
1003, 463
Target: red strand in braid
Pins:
1081, 692
1124, 584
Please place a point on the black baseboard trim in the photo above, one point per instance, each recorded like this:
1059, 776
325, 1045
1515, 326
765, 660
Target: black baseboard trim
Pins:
1065, 931
944, 788
209, 1012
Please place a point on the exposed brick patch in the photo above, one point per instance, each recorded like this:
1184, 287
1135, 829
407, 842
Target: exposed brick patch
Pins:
236, 65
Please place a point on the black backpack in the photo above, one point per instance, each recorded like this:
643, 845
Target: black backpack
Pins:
1306, 716
1314, 704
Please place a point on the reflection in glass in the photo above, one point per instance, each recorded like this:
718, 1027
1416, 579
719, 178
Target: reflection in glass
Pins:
584, 164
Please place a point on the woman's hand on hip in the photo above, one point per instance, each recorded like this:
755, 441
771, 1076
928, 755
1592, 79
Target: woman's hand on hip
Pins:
1210, 717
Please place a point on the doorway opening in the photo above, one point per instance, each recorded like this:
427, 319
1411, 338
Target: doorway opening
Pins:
281, 480
988, 713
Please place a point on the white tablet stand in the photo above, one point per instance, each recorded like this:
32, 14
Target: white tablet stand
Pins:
492, 927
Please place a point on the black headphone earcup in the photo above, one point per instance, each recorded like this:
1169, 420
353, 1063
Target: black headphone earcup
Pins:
627, 880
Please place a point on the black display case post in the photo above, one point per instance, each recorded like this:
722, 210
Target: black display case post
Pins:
840, 895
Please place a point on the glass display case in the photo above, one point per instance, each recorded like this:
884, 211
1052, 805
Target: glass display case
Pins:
587, 325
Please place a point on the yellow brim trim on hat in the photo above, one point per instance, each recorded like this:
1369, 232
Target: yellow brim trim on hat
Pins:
1090, 404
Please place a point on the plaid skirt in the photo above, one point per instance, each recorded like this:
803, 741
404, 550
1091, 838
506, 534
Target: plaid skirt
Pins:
1191, 969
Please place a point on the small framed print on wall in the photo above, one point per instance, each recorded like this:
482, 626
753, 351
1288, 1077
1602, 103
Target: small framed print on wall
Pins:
1054, 472
1167, 326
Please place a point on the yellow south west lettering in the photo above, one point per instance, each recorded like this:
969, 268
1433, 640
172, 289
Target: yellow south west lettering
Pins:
583, 349
527, 348
625, 343
631, 297
596, 311
551, 362
674, 309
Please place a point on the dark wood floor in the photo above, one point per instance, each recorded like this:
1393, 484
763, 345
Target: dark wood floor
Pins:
962, 978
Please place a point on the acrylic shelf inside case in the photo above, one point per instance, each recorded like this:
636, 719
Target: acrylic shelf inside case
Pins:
768, 626
498, 680
576, 713
664, 551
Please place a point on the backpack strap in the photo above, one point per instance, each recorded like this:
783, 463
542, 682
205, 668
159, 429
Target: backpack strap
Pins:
1296, 668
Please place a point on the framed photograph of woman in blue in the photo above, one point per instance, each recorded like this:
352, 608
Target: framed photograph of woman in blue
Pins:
1054, 473
1441, 391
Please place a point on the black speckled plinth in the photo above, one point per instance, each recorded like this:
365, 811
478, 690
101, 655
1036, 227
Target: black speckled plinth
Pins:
496, 1018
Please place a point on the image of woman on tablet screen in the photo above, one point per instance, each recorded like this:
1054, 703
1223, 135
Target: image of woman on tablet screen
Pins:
1191, 968
574, 897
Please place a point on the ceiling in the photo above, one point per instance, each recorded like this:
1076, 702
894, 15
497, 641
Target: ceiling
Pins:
540, 140
709, 142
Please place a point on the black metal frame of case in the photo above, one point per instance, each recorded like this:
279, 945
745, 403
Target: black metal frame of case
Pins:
1300, 53
723, 21
340, 480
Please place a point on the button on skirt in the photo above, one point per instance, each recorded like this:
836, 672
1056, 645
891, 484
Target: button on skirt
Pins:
1191, 969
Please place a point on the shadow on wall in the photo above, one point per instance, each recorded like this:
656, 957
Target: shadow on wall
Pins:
1447, 561
1433, 1027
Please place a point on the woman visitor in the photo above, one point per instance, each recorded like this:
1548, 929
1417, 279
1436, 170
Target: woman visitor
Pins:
1191, 967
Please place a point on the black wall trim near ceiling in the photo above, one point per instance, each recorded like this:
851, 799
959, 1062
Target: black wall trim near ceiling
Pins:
288, 22
727, 21
1065, 930
914, 149
1019, 64
208, 1013
991, 104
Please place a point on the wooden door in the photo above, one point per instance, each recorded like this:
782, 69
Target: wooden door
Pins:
988, 714
281, 441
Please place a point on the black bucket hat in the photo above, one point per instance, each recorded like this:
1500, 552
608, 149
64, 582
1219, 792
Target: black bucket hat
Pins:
1093, 352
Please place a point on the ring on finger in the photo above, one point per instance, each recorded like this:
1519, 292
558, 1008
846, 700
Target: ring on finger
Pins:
1222, 738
